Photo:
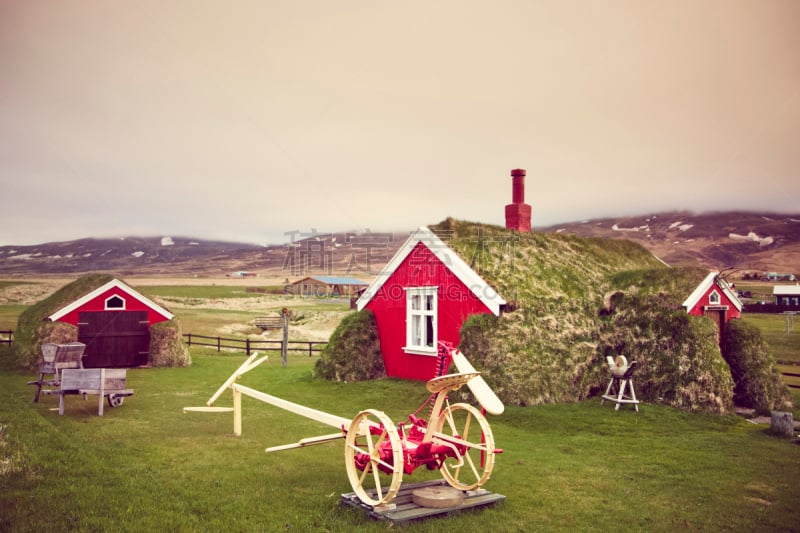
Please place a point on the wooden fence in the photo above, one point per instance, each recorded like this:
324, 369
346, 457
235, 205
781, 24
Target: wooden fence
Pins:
771, 308
250, 345
9, 337
791, 383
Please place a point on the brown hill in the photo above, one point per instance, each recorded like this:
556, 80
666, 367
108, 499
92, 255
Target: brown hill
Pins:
332, 254
755, 242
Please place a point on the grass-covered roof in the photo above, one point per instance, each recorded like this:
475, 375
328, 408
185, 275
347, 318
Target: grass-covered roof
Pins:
572, 302
27, 336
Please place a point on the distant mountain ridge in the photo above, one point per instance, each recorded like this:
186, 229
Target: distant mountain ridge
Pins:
747, 241
764, 242
183, 256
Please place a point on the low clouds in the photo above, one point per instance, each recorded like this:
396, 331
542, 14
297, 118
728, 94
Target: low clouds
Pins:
249, 121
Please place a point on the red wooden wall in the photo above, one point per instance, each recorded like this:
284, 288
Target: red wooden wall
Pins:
99, 304
731, 312
455, 302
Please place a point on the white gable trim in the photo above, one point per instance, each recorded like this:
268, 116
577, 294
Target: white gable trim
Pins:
100, 290
700, 291
457, 266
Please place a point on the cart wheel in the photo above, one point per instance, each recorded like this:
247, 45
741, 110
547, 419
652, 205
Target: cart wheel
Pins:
373, 456
114, 400
463, 428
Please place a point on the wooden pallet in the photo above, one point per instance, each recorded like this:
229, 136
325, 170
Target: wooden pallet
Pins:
403, 509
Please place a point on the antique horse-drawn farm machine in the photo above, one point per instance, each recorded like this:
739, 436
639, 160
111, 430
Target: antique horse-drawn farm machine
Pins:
455, 438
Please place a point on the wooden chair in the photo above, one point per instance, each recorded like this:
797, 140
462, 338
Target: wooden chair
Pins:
55, 358
621, 376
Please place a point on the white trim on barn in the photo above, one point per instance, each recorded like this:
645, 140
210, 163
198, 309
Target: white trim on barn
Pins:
482, 290
706, 284
100, 290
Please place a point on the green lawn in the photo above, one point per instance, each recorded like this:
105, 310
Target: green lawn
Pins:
228, 311
9, 315
147, 466
760, 291
783, 341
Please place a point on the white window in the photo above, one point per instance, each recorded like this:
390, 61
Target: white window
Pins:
421, 320
713, 298
115, 302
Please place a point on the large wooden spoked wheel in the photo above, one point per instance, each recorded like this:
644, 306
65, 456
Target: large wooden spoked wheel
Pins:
379, 481
464, 427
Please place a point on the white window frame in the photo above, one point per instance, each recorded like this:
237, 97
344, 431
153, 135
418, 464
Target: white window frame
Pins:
113, 296
714, 298
422, 319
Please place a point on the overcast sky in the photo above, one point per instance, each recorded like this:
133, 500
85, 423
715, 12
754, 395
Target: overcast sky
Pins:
245, 120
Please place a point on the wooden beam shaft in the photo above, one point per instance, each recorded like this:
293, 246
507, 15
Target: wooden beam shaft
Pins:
302, 410
249, 364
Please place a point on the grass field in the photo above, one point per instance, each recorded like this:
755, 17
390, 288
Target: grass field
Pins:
148, 466
760, 291
783, 342
208, 291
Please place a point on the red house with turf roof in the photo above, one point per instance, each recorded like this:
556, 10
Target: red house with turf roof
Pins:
715, 299
113, 322
423, 296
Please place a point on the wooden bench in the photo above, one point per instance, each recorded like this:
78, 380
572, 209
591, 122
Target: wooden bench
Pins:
55, 358
269, 322
103, 382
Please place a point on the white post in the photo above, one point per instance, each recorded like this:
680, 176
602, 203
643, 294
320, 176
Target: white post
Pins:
102, 391
237, 412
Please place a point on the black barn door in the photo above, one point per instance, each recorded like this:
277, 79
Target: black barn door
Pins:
114, 338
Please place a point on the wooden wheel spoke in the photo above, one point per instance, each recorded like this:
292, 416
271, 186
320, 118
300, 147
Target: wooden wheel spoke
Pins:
380, 441
471, 463
370, 445
462, 442
377, 478
465, 433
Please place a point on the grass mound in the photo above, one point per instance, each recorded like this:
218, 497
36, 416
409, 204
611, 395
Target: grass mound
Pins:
166, 345
679, 360
32, 330
758, 381
353, 352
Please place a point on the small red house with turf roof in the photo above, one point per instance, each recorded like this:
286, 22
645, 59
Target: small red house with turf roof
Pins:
113, 322
423, 296
715, 299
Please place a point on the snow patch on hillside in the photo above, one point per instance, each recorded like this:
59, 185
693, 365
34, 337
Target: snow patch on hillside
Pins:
680, 226
616, 227
762, 241
137, 254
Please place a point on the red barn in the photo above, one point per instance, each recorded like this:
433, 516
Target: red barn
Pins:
423, 296
715, 299
114, 322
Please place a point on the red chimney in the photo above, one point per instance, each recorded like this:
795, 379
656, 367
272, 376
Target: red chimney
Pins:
518, 213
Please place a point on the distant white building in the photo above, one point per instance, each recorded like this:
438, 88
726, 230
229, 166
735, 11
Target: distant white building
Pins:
778, 276
786, 294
